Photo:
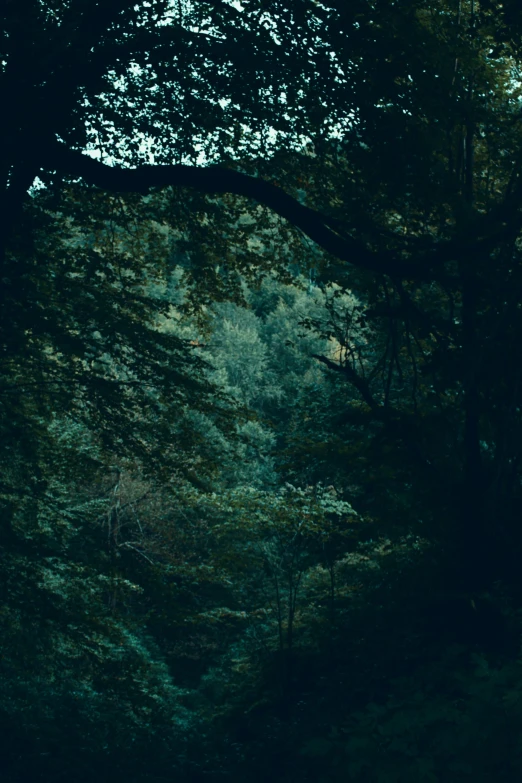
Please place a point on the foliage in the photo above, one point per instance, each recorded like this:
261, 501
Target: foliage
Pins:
444, 724
80, 684
260, 497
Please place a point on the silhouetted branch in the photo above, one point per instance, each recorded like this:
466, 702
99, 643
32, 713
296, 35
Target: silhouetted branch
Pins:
321, 229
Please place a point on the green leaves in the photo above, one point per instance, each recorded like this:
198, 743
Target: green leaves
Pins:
230, 460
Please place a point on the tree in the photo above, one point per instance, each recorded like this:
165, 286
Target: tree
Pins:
79, 76
136, 137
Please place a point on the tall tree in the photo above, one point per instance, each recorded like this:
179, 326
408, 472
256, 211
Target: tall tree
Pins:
412, 186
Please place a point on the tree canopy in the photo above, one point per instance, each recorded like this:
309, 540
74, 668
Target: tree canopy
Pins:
260, 402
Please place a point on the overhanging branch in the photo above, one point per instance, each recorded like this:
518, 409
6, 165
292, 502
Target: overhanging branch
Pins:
216, 179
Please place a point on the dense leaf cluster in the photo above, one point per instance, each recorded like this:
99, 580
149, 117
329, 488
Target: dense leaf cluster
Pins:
260, 394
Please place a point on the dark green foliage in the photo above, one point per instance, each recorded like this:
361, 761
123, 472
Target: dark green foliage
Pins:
260, 496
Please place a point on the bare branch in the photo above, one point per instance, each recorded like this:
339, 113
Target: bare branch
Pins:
128, 545
355, 379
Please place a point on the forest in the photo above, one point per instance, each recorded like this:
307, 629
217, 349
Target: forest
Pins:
261, 391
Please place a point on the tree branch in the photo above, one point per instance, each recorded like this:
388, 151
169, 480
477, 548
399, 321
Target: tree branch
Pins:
360, 384
216, 179
396, 423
